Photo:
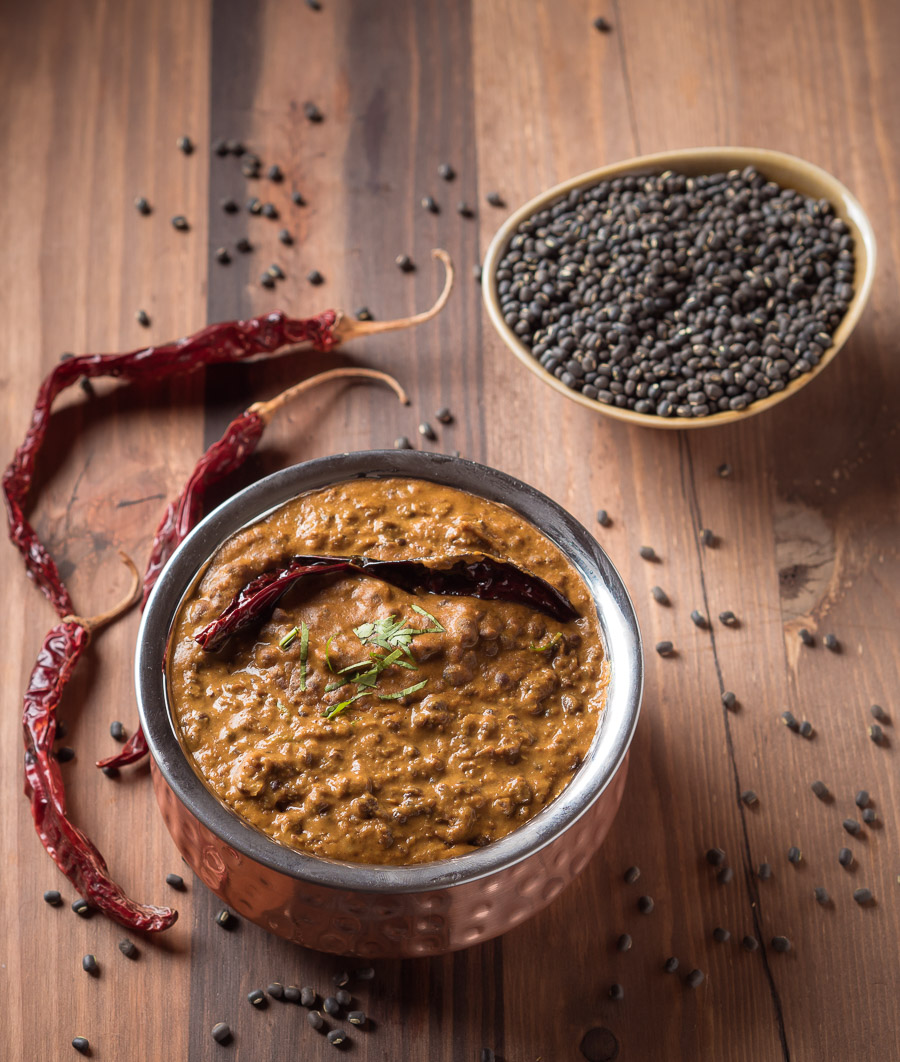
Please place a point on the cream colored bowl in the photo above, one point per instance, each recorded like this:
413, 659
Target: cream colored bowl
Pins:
786, 170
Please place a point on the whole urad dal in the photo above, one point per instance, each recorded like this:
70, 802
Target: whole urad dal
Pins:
429, 676
676, 295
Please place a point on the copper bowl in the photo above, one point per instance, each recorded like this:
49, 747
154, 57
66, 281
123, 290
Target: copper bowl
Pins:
425, 909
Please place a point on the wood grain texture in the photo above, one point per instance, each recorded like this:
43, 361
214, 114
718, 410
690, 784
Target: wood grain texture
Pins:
516, 97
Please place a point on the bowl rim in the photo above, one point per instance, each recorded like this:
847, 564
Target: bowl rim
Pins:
609, 746
847, 207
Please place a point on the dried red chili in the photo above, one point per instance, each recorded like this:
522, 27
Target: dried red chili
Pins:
238, 441
74, 854
467, 576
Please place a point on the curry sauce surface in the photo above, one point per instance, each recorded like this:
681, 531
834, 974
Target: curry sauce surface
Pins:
506, 717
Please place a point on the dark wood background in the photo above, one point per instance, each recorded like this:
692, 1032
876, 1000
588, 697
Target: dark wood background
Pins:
517, 96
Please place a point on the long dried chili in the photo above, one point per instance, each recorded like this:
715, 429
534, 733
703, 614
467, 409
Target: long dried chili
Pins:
238, 441
476, 575
75, 855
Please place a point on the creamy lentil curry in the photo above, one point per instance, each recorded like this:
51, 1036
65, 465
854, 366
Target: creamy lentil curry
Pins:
509, 702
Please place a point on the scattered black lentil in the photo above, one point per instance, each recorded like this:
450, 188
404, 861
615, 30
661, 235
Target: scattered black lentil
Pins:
862, 798
764, 871
117, 731
750, 943
297, 199
879, 713
603, 518
749, 797
234, 147
316, 1020
645, 904
90, 965
806, 637
315, 277
222, 255
221, 1032
291, 994
110, 771
254, 205
314, 5
794, 854
631, 875
670, 965
365, 973
624, 942
665, 648
715, 857
790, 721
267, 280
357, 1017
404, 263
343, 997
729, 699
128, 948
821, 895
82, 1045
308, 997
729, 619
269, 210
721, 935
869, 816
678, 295
444, 416
256, 998
312, 112
336, 1037
274, 173
446, 171
220, 148
142, 205
175, 881
495, 200
65, 754
285, 237
725, 875
487, 1055
363, 314
331, 1006
275, 990
876, 734
464, 209
250, 167
845, 857
821, 790
52, 897
707, 538
830, 642
275, 271
648, 553
851, 826
695, 978
244, 245
82, 908
863, 896
660, 596
698, 619
616, 991
402, 443
724, 470
429, 204
805, 729
781, 944
602, 25
185, 145
226, 919
142, 318
180, 222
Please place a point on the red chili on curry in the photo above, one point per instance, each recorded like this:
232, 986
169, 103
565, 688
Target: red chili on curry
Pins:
362, 721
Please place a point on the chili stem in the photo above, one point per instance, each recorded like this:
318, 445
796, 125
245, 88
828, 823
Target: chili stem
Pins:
93, 623
266, 410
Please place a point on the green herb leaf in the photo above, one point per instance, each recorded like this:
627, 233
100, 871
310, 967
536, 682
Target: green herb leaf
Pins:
403, 693
338, 708
335, 685
288, 638
436, 627
304, 653
546, 648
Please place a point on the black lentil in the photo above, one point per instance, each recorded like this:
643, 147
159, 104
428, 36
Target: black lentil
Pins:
624, 942
845, 857
275, 271
676, 295
665, 648
805, 729
331, 1006
707, 538
721, 935
781, 944
315, 277
297, 199
602, 26
695, 978
363, 314
52, 897
821, 895
82, 908
645, 904
343, 997
750, 943
257, 998
234, 147
222, 255
444, 416
616, 991
495, 200
314, 5
267, 280
365, 973
336, 1037
404, 263
698, 619
794, 854
185, 144
862, 798
244, 245
790, 721
830, 642
464, 210
61, 728
117, 731
250, 167
725, 875
749, 797
729, 699
863, 896
180, 222
724, 470
226, 919
274, 173
487, 1055
821, 790
851, 826
221, 1032
110, 772
660, 596
869, 816
879, 713
357, 1017
402, 443
729, 619
603, 518
341, 979
128, 948
631, 875
89, 965
316, 1020
82, 1045
176, 881
648, 553
65, 754
291, 994
876, 734
446, 171
142, 318
715, 857
429, 204
764, 871
312, 112
275, 990
269, 210
220, 148
670, 965
308, 997
285, 237
142, 205
806, 637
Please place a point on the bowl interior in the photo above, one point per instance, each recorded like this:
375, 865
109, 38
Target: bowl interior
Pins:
618, 625
786, 170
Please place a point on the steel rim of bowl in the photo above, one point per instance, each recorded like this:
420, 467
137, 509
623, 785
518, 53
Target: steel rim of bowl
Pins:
846, 205
610, 743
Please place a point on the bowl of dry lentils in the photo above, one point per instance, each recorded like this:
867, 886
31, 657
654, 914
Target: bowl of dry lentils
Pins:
685, 289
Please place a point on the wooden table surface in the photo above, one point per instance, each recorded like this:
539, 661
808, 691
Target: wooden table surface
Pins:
516, 96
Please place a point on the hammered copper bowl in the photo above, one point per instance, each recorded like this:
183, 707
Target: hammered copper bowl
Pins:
425, 909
